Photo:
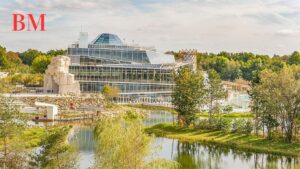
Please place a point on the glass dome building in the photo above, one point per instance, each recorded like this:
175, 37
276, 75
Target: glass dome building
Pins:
142, 74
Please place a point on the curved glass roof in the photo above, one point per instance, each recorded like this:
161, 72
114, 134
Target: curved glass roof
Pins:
108, 39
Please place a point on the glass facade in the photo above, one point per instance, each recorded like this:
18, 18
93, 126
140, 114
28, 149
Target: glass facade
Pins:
106, 54
107, 61
122, 74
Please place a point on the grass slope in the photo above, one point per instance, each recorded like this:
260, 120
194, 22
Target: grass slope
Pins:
29, 138
228, 115
244, 142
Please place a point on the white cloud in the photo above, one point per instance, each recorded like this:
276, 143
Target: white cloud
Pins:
288, 32
207, 25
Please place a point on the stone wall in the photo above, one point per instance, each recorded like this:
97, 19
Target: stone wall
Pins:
64, 103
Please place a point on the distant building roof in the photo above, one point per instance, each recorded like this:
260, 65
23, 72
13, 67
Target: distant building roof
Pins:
107, 39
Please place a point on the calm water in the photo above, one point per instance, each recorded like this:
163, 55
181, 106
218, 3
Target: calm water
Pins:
190, 156
199, 156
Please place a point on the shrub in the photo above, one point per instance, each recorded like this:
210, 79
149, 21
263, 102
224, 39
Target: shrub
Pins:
238, 126
248, 127
212, 123
228, 109
202, 123
224, 124
132, 115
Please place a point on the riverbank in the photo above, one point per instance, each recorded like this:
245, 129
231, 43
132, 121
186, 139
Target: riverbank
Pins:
152, 107
243, 142
228, 115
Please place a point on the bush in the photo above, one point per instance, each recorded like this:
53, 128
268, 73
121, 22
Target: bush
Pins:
202, 123
228, 109
132, 115
238, 126
26, 79
224, 124
214, 123
248, 127
242, 126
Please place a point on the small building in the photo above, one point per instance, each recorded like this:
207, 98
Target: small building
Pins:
52, 110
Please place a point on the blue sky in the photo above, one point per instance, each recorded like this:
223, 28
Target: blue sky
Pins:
259, 26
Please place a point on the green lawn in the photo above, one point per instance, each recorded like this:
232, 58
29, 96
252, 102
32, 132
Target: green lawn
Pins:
229, 115
29, 138
244, 142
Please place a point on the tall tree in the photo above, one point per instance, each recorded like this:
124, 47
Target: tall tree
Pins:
277, 100
13, 58
120, 147
3, 57
28, 56
56, 52
188, 94
55, 152
231, 71
294, 59
40, 63
11, 124
215, 90
110, 92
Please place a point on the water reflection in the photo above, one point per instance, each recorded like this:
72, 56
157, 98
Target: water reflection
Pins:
199, 156
190, 156
83, 139
157, 117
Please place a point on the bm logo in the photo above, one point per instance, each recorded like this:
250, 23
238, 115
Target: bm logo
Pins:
28, 22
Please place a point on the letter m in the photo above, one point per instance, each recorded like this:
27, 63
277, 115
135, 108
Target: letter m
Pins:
35, 24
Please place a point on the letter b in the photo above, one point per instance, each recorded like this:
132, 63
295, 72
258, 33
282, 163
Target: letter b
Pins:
18, 19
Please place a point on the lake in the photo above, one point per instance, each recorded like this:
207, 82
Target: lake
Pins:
188, 155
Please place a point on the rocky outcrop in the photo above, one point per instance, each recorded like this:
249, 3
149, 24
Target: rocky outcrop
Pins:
57, 78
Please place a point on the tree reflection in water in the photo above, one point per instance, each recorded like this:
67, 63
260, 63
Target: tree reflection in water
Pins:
200, 156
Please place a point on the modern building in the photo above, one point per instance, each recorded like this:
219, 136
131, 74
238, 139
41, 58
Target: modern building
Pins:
141, 73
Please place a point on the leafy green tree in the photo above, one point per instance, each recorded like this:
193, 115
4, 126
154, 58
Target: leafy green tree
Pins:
188, 94
120, 147
243, 57
55, 152
251, 68
231, 66
215, 90
29, 55
57, 52
276, 100
294, 59
219, 64
11, 124
13, 58
3, 57
231, 71
26, 79
40, 63
110, 92
227, 109
5, 86
276, 64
